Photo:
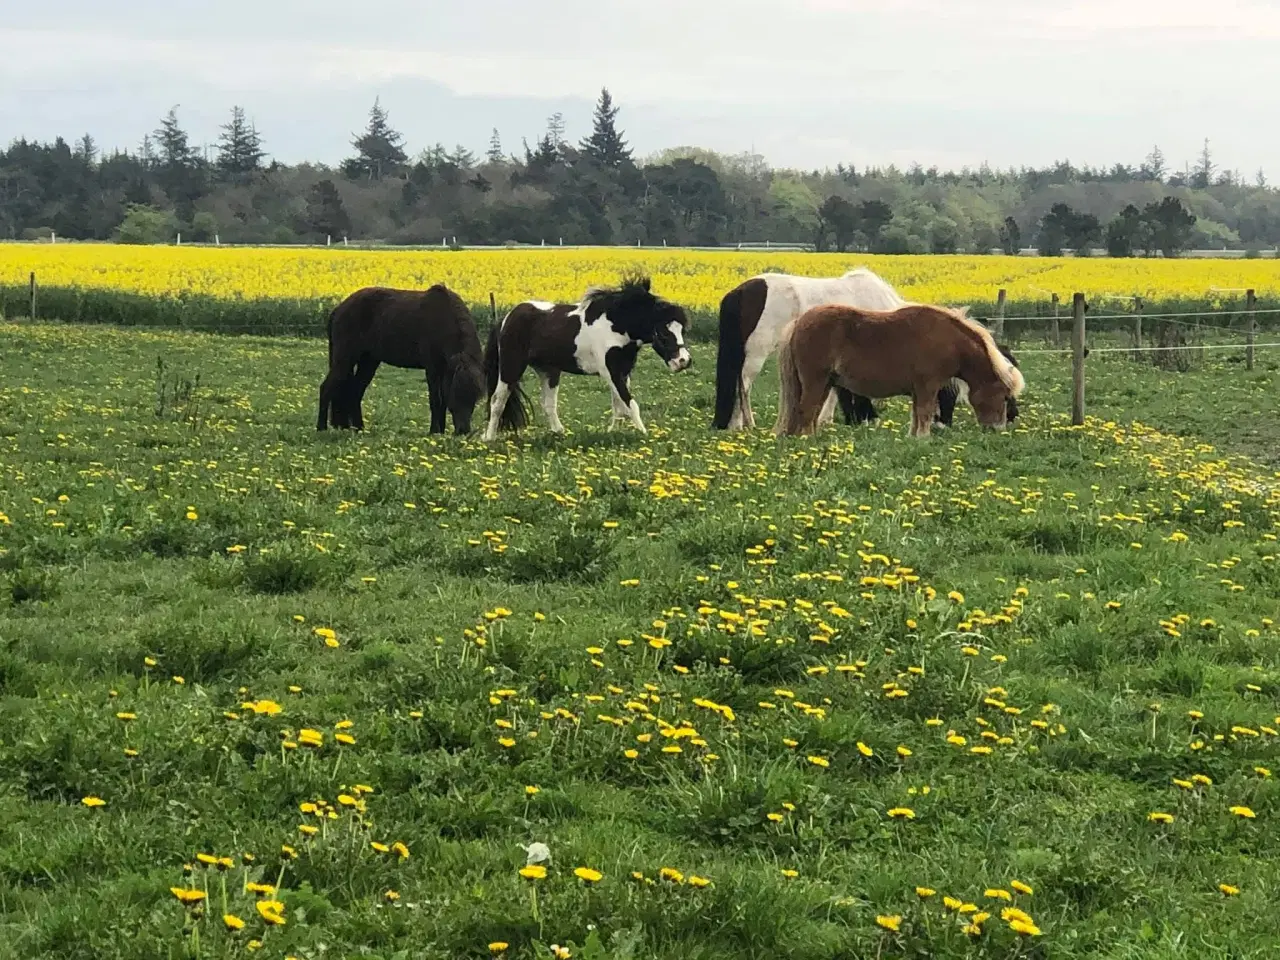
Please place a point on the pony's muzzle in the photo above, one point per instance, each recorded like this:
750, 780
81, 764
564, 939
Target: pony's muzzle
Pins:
681, 361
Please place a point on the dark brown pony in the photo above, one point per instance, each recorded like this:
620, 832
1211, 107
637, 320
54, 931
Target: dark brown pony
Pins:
429, 330
914, 350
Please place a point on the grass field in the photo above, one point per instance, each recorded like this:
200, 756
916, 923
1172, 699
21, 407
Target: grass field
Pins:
856, 696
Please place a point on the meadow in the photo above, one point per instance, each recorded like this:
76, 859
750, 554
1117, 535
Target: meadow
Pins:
255, 290
687, 695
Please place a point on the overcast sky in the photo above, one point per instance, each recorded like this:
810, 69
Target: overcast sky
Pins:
807, 83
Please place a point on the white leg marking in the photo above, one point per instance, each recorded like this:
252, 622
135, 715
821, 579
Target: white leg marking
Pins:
828, 412
496, 406
634, 410
550, 396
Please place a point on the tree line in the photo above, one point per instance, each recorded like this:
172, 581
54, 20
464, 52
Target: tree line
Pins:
595, 191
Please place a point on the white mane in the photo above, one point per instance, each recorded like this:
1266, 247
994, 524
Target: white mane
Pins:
1009, 375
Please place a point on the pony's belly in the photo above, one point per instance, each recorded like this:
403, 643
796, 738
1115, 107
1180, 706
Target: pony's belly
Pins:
875, 388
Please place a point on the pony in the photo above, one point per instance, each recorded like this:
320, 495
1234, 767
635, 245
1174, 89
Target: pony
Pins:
753, 317
914, 349
429, 330
860, 409
600, 335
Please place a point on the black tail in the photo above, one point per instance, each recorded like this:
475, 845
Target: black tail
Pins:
515, 415
730, 357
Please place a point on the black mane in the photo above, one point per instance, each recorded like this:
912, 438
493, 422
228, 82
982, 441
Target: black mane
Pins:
632, 308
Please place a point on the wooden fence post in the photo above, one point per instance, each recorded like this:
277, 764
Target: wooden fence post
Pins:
1077, 360
1057, 330
997, 324
33, 295
1251, 304
1137, 327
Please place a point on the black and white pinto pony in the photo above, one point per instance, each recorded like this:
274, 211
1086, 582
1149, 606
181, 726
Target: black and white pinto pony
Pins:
600, 336
755, 314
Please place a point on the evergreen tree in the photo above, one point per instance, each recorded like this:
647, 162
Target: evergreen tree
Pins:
494, 153
326, 216
379, 150
1169, 225
87, 150
1011, 237
174, 149
462, 158
240, 150
605, 146
1153, 168
555, 130
1203, 174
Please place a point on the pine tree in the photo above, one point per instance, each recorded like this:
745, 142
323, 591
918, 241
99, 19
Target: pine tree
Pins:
1203, 175
240, 150
605, 146
379, 150
87, 150
462, 158
174, 148
494, 153
555, 129
1153, 168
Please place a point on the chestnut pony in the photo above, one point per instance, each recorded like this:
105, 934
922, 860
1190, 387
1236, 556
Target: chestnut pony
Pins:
913, 350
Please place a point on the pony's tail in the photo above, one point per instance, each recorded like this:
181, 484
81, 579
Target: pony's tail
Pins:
730, 357
515, 415
788, 383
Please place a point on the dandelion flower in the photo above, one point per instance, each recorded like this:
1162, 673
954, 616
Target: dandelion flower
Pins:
1022, 887
498, 946
995, 893
189, 897
587, 875
696, 881
819, 761
891, 923
790, 874
865, 750
272, 911
232, 922
534, 871
1228, 890
1244, 812
903, 813
924, 893
93, 802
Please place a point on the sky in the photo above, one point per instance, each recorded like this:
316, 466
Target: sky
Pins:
805, 83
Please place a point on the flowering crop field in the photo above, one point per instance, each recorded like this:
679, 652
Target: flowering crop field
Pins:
278, 289
686, 695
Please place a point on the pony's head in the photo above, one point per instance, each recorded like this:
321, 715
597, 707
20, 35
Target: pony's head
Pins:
634, 310
668, 335
993, 396
466, 386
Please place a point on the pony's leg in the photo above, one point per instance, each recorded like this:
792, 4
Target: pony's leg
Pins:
946, 405
923, 405
496, 405
438, 398
326, 402
550, 399
622, 398
365, 370
744, 417
828, 412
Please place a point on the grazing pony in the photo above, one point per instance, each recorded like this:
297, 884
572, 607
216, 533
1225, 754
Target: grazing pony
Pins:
601, 335
859, 409
753, 317
915, 350
429, 330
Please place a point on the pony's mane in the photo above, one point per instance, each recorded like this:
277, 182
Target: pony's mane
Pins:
1009, 375
632, 289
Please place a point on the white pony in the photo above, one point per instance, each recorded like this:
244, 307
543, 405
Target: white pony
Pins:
753, 317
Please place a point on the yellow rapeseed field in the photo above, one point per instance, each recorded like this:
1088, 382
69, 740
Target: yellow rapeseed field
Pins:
697, 279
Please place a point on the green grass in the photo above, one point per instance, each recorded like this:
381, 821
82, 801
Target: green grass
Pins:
207, 531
